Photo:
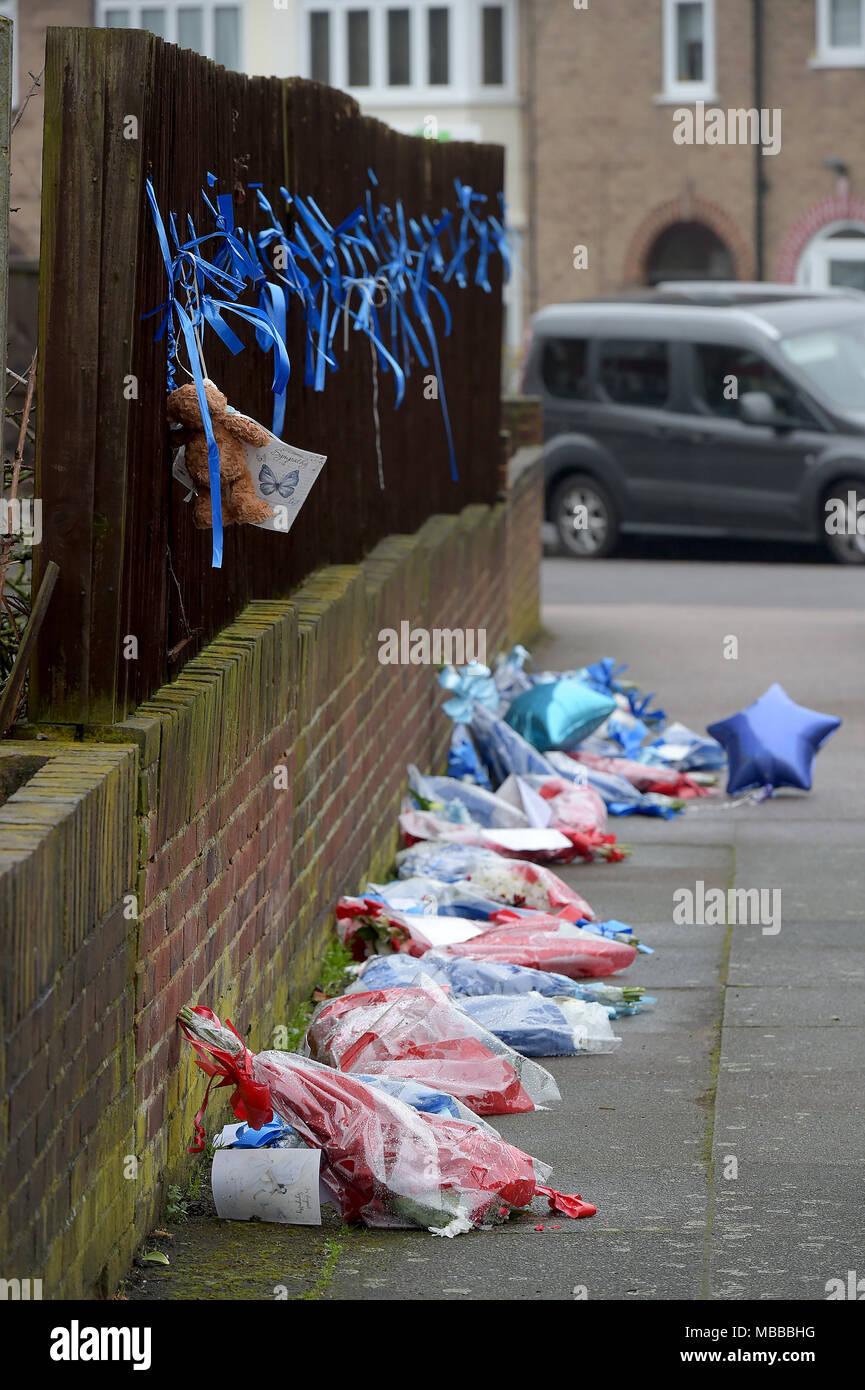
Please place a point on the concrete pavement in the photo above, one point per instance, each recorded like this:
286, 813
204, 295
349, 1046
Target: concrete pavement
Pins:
756, 1047
755, 1050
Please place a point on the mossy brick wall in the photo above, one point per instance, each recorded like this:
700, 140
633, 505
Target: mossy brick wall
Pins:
522, 417
67, 840
234, 864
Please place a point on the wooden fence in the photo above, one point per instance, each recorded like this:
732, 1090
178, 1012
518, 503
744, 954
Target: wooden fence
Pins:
131, 562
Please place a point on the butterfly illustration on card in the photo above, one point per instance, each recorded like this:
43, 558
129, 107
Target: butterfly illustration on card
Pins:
269, 483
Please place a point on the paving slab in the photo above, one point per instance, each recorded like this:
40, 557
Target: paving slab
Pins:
754, 1050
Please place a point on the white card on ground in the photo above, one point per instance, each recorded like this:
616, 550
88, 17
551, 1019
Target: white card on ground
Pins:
448, 931
526, 840
267, 1185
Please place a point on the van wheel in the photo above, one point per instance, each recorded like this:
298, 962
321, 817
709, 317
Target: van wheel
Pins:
846, 544
585, 518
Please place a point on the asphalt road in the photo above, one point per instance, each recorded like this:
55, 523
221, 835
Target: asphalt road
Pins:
723, 1142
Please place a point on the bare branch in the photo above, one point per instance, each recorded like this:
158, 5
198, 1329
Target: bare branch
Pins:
6, 547
34, 87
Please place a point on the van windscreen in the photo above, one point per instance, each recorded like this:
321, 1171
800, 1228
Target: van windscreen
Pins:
833, 359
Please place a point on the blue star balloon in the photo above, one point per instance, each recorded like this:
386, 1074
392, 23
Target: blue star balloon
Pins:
772, 743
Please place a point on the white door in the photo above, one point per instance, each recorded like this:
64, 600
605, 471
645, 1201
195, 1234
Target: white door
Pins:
835, 258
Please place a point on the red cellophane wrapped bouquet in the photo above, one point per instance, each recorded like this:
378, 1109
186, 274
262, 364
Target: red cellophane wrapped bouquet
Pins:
546, 942
384, 1163
421, 1034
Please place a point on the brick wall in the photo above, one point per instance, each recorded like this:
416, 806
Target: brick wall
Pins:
233, 868
67, 842
608, 174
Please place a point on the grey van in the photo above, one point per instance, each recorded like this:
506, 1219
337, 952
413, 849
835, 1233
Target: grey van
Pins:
734, 412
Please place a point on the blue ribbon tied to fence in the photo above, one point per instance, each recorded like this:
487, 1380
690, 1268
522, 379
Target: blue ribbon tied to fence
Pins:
333, 273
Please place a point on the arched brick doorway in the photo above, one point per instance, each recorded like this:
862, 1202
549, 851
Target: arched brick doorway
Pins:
664, 218
842, 209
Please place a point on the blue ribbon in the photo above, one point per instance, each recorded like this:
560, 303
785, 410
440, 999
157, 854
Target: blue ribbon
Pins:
188, 332
325, 268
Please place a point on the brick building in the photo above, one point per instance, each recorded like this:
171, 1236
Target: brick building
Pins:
593, 162
606, 83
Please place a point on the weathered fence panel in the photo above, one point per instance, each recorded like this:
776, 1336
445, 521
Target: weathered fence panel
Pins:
131, 561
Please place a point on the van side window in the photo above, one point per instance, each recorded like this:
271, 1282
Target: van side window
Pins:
723, 374
563, 367
635, 372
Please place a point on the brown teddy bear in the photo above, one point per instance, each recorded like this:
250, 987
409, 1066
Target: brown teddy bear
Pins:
239, 502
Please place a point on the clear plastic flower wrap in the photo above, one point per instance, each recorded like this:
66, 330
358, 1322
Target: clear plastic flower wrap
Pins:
539, 845
578, 807
484, 807
503, 749
682, 748
614, 929
464, 762
520, 884
460, 975
441, 859
620, 797
580, 813
382, 1162
369, 926
509, 675
418, 1033
464, 978
569, 836
422, 893
543, 945
429, 1100
643, 776
541, 1027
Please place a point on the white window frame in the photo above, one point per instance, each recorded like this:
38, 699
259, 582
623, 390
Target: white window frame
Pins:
687, 92
829, 244
207, 7
834, 57
465, 54
9, 10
